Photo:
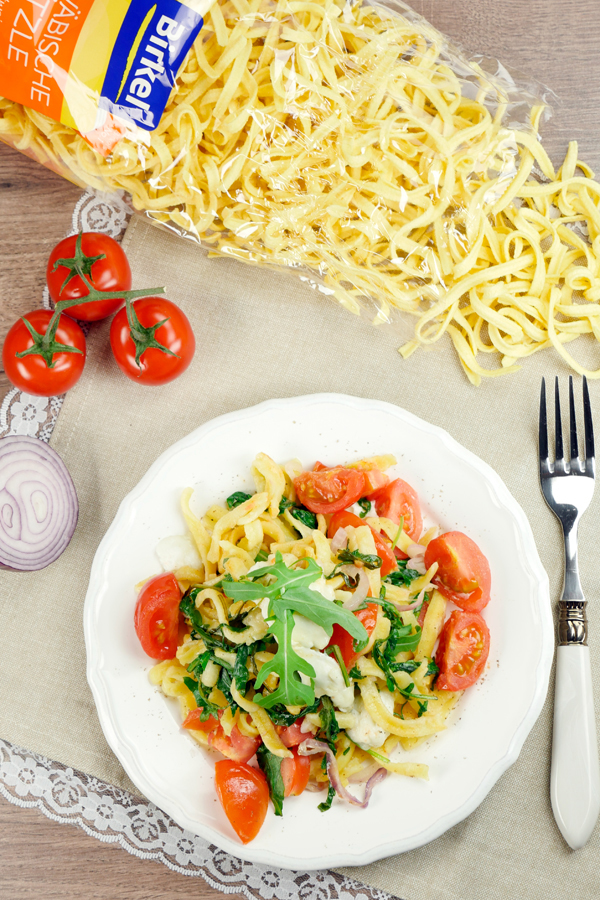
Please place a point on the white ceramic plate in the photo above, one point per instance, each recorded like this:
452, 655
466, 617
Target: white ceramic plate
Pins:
458, 491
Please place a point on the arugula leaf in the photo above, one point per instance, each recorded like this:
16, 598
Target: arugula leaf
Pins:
329, 723
402, 576
365, 506
335, 651
207, 708
432, 668
240, 672
280, 716
198, 665
271, 766
369, 561
224, 685
401, 639
305, 516
237, 499
410, 693
188, 608
286, 663
291, 591
261, 556
326, 804
284, 504
355, 673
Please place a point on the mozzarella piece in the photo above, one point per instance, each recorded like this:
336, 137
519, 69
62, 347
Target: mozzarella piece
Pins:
328, 678
308, 634
367, 733
177, 551
323, 587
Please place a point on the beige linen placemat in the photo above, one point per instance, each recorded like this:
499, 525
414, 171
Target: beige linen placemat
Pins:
260, 335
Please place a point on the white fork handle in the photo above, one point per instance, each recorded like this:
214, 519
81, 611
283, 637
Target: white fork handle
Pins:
575, 776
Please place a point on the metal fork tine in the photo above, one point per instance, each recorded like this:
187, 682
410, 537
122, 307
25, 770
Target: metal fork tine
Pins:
589, 430
543, 425
572, 423
558, 455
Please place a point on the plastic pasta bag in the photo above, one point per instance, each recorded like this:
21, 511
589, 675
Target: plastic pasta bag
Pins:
351, 143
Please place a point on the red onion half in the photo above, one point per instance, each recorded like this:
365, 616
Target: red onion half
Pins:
38, 504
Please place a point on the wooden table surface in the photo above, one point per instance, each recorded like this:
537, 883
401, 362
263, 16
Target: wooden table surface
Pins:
552, 41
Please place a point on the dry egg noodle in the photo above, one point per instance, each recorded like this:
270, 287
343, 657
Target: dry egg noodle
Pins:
347, 140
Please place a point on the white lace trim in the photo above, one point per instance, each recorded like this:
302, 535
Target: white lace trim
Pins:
103, 811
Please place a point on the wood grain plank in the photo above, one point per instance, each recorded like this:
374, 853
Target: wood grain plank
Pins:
47, 861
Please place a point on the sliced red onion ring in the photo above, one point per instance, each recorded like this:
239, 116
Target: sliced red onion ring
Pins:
364, 774
406, 607
38, 504
339, 540
312, 746
362, 589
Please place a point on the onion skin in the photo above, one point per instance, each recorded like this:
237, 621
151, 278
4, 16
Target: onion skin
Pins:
38, 504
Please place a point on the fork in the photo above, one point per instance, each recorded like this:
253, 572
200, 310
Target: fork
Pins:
567, 486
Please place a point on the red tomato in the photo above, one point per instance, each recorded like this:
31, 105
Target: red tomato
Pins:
31, 373
156, 616
423, 613
345, 641
462, 651
244, 795
398, 500
329, 490
384, 550
464, 574
319, 466
192, 721
295, 771
375, 480
237, 746
176, 335
292, 735
109, 274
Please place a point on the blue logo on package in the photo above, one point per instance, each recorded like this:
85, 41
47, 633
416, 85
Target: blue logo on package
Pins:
148, 53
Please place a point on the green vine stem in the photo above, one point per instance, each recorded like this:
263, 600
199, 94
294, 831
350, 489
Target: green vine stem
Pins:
46, 346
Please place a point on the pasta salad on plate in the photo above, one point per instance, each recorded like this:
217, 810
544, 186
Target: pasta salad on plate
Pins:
314, 633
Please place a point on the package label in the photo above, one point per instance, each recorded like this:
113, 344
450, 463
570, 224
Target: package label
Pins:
83, 62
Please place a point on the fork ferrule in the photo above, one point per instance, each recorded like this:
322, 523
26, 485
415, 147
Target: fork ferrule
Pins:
572, 622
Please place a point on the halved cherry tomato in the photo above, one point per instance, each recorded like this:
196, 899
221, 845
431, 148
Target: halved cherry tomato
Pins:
244, 795
236, 746
295, 771
423, 613
463, 574
193, 722
462, 651
319, 466
345, 641
156, 616
375, 480
329, 490
398, 500
343, 518
292, 735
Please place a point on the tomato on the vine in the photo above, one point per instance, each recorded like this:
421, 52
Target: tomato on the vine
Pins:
111, 273
32, 373
174, 334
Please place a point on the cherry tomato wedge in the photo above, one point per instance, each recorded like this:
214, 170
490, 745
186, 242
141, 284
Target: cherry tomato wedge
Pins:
398, 500
292, 735
462, 651
375, 480
31, 373
383, 549
156, 616
236, 746
157, 367
295, 772
109, 274
464, 574
244, 796
345, 641
329, 490
194, 723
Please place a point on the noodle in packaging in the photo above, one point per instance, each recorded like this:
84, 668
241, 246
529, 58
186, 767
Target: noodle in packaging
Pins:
350, 142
